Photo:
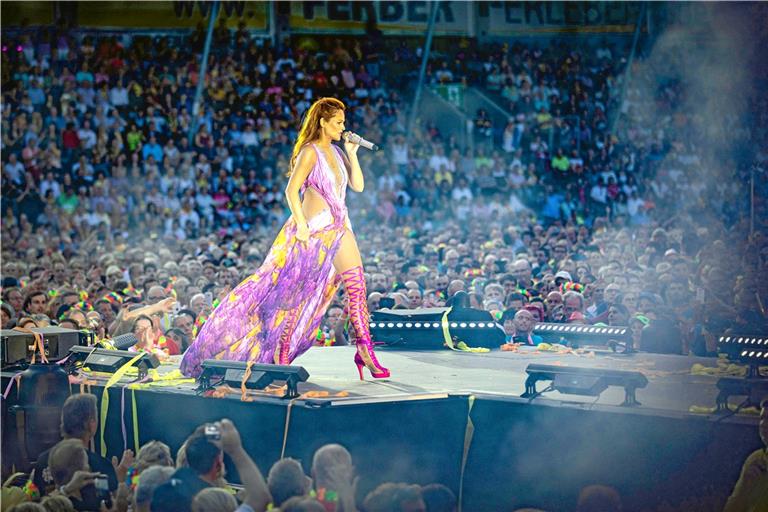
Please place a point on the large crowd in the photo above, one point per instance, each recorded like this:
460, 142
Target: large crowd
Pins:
118, 203
126, 212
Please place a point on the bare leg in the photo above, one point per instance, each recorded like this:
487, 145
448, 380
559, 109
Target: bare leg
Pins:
348, 255
349, 266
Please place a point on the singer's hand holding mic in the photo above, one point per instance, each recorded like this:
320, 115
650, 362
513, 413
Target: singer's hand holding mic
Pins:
353, 138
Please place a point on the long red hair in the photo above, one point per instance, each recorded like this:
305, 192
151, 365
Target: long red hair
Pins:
323, 108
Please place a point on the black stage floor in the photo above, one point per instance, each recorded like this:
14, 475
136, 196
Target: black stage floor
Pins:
457, 418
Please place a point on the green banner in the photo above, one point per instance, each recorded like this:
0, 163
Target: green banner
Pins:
452, 93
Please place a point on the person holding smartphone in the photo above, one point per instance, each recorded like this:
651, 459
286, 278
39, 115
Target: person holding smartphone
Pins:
70, 468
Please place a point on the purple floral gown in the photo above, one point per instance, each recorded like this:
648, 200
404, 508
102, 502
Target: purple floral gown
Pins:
273, 315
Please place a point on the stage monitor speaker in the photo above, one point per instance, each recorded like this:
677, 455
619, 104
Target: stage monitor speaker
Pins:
423, 328
262, 375
18, 346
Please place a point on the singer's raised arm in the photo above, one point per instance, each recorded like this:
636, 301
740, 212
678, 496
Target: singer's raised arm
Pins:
356, 180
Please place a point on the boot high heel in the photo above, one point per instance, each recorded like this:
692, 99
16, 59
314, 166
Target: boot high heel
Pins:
354, 283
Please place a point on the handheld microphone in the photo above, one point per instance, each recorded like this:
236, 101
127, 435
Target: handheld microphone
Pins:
356, 139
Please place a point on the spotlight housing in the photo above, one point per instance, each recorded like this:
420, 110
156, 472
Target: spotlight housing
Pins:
618, 338
262, 375
751, 350
109, 361
584, 381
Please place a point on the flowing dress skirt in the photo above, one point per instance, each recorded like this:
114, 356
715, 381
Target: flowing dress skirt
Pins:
291, 290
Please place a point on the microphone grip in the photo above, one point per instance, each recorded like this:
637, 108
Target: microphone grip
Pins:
356, 139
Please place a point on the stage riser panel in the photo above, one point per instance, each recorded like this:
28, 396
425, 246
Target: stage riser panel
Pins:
410, 441
542, 455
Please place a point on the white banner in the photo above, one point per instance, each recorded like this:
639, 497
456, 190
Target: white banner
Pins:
549, 18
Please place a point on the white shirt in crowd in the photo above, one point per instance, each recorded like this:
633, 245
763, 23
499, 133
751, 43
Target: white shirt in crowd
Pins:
399, 153
87, 135
508, 141
249, 138
436, 161
460, 193
517, 206
189, 216
50, 185
599, 193
172, 153
14, 171
205, 203
118, 96
390, 181
94, 218
633, 205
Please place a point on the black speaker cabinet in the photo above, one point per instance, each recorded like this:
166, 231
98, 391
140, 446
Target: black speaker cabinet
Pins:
18, 347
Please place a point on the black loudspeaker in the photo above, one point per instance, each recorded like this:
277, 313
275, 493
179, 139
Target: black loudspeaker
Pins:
425, 328
18, 346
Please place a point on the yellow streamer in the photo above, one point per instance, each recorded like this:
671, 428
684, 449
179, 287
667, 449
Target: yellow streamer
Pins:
469, 433
39, 344
135, 422
172, 378
105, 398
460, 346
285, 431
246, 375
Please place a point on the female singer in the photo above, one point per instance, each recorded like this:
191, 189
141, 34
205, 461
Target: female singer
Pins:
273, 315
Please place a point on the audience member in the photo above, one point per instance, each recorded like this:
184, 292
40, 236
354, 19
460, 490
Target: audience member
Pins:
286, 479
750, 493
392, 497
333, 478
79, 421
152, 477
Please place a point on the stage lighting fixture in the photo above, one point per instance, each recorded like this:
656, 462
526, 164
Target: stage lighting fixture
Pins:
583, 381
262, 375
423, 328
17, 346
755, 389
109, 361
581, 334
750, 350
